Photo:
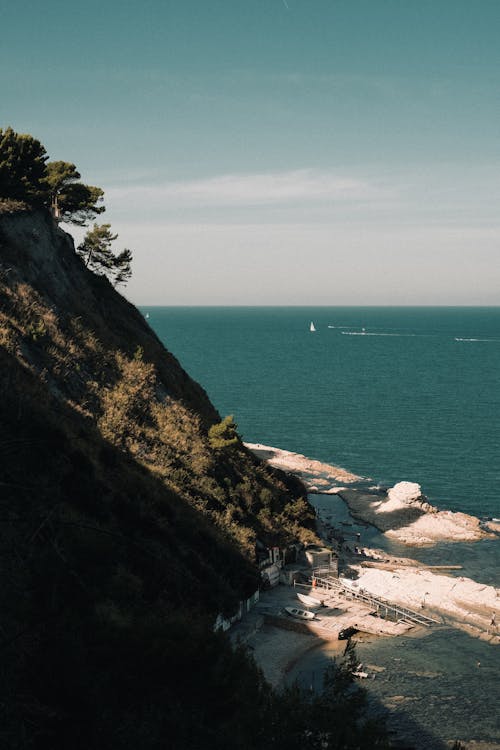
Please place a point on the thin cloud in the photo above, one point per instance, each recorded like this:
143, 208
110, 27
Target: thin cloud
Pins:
240, 190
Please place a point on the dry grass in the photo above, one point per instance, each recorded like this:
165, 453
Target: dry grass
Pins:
11, 206
121, 379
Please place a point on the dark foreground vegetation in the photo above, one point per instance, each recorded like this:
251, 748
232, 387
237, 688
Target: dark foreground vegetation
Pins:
130, 516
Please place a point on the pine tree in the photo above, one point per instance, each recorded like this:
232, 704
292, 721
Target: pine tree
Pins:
22, 167
71, 200
123, 265
97, 254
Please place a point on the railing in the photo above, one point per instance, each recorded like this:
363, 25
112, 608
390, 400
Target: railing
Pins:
381, 605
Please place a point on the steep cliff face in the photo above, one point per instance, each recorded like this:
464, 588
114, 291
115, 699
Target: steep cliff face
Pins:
123, 530
94, 354
53, 303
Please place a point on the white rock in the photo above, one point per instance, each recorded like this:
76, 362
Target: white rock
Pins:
406, 492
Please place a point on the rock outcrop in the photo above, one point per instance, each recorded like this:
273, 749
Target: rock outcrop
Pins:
409, 493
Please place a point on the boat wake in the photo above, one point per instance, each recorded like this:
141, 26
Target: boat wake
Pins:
365, 333
484, 340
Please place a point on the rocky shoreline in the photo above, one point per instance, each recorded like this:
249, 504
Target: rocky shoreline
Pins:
403, 513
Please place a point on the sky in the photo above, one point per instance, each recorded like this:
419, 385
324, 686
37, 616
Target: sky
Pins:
275, 152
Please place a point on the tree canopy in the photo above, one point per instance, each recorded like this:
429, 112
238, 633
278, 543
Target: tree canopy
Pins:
97, 254
25, 175
23, 167
71, 200
28, 179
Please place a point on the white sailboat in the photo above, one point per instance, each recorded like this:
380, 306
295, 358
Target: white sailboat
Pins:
312, 327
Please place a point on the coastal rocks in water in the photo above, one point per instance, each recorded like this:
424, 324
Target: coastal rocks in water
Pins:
409, 493
492, 525
379, 511
405, 492
316, 476
412, 520
440, 526
402, 513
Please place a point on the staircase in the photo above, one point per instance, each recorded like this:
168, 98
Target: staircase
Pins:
381, 606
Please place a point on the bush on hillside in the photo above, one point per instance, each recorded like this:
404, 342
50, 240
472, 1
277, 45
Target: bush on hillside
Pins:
223, 434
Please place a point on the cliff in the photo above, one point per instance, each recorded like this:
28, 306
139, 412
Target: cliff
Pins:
124, 530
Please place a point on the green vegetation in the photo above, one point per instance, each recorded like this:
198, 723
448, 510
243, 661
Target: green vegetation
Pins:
70, 199
26, 176
95, 249
125, 532
223, 434
28, 180
23, 170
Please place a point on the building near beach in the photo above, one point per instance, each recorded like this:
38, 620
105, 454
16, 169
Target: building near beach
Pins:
321, 558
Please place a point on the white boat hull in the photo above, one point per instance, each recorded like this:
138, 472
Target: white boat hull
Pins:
299, 614
309, 601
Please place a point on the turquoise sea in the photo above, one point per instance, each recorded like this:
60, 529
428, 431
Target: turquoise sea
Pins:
416, 396
392, 394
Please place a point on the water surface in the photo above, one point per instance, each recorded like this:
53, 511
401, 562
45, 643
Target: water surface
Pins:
393, 394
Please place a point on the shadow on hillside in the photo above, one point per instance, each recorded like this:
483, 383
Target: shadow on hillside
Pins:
406, 733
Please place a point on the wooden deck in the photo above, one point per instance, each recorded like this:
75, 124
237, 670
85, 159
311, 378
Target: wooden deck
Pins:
382, 607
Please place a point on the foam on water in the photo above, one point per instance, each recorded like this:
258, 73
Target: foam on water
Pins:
414, 406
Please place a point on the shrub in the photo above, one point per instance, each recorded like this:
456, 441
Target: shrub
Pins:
223, 434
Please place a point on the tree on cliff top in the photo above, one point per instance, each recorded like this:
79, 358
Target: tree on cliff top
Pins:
95, 249
22, 167
71, 200
25, 176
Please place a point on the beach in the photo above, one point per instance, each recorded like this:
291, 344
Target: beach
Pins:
453, 600
419, 407
277, 644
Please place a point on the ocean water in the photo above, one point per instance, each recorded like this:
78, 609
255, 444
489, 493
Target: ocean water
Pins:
438, 688
389, 393
392, 394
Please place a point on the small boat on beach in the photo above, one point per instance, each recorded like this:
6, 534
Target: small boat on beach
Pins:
310, 601
300, 614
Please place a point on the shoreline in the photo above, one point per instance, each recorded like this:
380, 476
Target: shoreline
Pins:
278, 644
459, 602
316, 475
413, 522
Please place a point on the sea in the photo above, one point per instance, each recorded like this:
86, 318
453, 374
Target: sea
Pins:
391, 394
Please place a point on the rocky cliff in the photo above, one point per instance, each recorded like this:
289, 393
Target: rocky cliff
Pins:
124, 529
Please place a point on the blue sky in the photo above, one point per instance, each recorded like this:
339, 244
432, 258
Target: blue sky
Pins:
272, 151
